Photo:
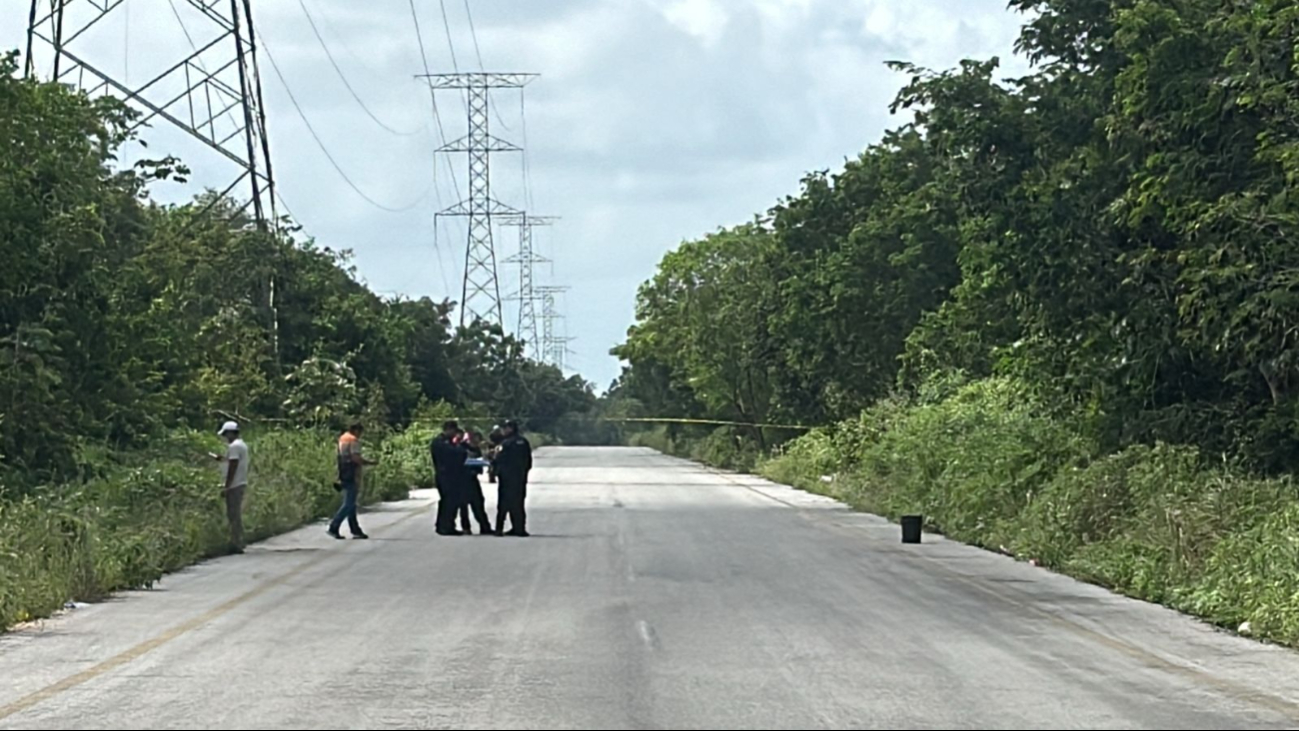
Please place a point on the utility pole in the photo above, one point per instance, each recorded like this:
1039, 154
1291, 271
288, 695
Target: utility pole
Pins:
213, 92
554, 346
527, 296
480, 291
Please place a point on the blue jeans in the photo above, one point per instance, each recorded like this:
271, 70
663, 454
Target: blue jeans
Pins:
347, 511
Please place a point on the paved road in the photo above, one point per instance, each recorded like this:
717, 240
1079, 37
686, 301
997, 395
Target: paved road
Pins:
657, 594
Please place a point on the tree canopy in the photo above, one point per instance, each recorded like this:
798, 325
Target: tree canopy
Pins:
121, 317
1115, 228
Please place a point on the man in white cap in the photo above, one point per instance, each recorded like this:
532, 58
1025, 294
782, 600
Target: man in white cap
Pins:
236, 482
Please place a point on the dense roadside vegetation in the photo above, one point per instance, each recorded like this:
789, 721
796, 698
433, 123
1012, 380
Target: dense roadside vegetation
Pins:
129, 329
1056, 314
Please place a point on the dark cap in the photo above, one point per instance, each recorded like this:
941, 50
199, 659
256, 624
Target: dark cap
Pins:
512, 424
450, 424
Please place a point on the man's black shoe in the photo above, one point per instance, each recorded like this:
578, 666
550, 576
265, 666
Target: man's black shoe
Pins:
360, 537
520, 533
334, 534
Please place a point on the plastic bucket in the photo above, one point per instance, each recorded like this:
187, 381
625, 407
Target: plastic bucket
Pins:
912, 528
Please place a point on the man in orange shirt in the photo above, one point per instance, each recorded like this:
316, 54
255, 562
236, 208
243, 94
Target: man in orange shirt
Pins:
351, 473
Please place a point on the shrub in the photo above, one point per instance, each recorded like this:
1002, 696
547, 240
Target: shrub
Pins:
139, 515
969, 463
725, 448
988, 465
404, 461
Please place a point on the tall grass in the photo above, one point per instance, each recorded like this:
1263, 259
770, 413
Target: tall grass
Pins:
138, 516
723, 447
988, 465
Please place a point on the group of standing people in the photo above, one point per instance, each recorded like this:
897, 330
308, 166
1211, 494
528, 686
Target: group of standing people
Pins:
459, 458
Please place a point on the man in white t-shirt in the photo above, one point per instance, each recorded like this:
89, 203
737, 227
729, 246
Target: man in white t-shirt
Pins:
236, 482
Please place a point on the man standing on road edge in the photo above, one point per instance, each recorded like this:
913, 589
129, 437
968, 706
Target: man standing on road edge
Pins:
236, 482
351, 476
449, 473
513, 463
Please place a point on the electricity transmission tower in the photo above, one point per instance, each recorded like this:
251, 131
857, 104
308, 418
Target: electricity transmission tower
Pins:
212, 92
527, 296
480, 291
553, 345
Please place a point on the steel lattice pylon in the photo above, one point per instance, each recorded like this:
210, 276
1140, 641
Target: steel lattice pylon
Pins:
527, 296
480, 291
553, 345
213, 93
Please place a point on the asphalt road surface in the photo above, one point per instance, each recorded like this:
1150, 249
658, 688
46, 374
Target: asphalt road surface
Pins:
656, 594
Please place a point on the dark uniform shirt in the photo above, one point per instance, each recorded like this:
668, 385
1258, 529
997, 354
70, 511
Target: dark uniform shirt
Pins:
514, 461
448, 458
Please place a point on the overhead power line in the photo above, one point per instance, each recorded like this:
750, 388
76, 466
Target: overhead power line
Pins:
446, 25
343, 77
325, 150
437, 115
474, 34
442, 136
527, 165
478, 53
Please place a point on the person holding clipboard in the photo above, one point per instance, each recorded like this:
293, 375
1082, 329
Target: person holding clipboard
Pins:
472, 493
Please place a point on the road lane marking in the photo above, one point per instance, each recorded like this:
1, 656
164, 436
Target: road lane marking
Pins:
144, 648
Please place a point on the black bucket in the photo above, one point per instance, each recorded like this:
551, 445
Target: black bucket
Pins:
912, 527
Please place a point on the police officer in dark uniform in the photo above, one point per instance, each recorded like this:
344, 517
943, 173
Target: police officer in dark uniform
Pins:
513, 463
473, 492
449, 470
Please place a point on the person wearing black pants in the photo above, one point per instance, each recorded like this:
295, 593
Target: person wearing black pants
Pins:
495, 436
473, 494
449, 472
513, 463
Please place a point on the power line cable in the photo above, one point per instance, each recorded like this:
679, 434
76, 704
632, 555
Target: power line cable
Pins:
527, 165
473, 33
325, 150
437, 246
183, 28
455, 63
437, 117
285, 204
126, 44
446, 25
343, 77
340, 39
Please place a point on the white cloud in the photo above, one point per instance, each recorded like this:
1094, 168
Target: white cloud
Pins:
703, 19
653, 121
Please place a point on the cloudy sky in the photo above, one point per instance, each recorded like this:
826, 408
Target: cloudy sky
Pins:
653, 121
